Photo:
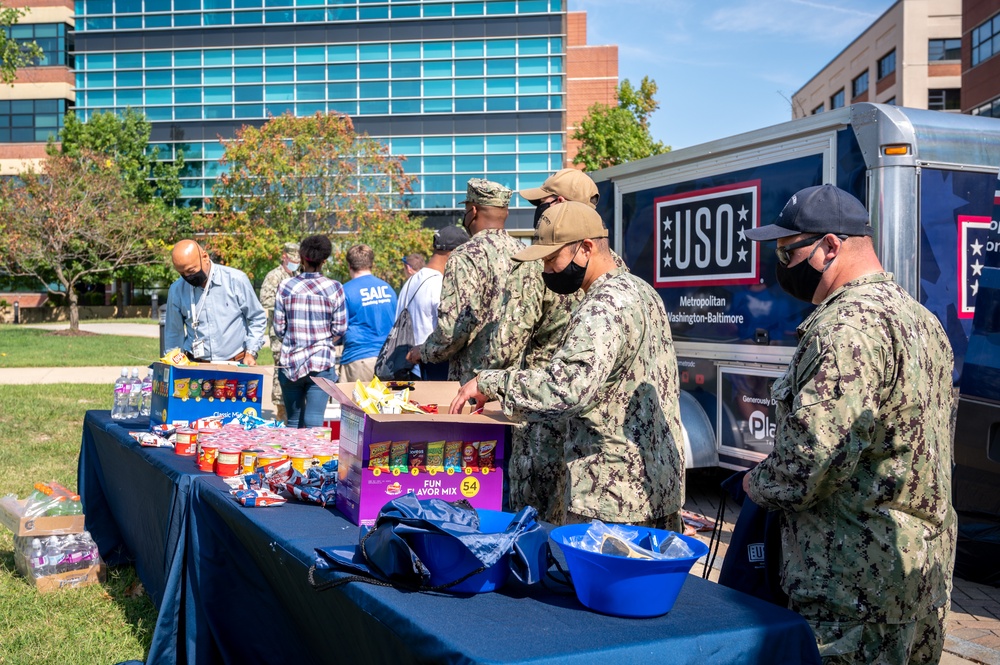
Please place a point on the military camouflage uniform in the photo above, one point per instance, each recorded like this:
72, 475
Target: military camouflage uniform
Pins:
470, 303
613, 386
527, 335
861, 469
268, 293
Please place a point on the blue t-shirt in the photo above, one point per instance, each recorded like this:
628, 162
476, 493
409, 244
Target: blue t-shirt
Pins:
371, 311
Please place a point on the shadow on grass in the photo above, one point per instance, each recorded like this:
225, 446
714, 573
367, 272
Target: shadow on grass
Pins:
127, 592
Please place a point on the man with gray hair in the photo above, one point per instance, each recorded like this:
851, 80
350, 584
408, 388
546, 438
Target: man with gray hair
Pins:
288, 268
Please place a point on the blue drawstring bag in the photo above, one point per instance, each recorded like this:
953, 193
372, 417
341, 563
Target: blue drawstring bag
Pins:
434, 545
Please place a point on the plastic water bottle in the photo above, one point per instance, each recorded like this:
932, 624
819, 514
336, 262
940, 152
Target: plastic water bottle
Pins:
54, 557
122, 388
73, 506
147, 394
36, 559
134, 395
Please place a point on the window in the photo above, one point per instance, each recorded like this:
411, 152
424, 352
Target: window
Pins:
986, 40
30, 121
890, 102
946, 99
944, 49
818, 109
989, 109
837, 100
50, 37
887, 64
859, 85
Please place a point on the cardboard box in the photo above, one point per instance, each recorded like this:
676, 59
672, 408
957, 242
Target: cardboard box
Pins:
363, 490
12, 516
166, 408
68, 580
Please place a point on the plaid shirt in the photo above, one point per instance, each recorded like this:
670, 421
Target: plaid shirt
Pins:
310, 315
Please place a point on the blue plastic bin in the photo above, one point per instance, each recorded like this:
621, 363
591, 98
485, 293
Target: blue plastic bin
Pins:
447, 560
625, 587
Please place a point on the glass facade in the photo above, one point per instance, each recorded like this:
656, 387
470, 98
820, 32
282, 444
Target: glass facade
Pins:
31, 120
461, 89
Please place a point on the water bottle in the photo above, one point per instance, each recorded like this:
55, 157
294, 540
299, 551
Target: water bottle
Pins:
122, 388
54, 557
74, 506
36, 559
147, 394
134, 395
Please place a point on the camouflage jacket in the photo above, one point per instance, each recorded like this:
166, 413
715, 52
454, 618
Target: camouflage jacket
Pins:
470, 303
614, 383
268, 293
533, 319
861, 466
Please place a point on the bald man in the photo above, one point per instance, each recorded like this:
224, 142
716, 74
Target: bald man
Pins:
213, 312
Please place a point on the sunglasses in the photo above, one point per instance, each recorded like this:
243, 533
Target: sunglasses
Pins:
785, 253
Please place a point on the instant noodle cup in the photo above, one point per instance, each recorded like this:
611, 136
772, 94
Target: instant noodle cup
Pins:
228, 462
248, 460
301, 461
322, 433
322, 456
186, 441
269, 457
207, 454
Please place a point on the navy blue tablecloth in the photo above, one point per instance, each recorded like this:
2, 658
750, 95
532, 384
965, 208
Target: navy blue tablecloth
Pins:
239, 593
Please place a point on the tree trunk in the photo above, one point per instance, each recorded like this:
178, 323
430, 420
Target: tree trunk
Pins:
120, 302
74, 309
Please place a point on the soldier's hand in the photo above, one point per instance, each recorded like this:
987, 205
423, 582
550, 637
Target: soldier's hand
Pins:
469, 391
413, 355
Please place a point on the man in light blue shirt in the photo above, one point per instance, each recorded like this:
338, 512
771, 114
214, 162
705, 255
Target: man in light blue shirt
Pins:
213, 312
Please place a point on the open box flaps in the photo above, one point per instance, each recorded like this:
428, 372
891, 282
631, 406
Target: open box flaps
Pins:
440, 393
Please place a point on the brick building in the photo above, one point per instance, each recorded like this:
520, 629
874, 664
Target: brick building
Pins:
981, 57
591, 77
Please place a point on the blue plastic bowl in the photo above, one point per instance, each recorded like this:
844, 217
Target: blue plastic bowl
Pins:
625, 587
448, 561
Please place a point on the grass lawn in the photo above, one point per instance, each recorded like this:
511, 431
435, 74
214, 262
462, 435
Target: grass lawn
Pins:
40, 429
31, 347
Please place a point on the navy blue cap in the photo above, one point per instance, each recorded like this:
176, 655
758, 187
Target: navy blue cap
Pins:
819, 209
449, 238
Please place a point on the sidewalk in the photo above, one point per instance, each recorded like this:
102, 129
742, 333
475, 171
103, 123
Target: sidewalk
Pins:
151, 329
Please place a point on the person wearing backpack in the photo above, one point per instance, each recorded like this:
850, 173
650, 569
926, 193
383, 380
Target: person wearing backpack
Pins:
421, 295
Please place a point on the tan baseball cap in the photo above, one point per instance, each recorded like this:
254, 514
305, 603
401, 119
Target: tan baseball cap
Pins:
571, 184
560, 225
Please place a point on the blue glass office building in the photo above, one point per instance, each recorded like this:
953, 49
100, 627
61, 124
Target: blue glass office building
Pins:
461, 88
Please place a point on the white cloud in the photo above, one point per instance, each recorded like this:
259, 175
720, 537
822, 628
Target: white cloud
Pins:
806, 21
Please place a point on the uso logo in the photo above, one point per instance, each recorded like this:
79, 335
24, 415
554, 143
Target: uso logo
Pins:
700, 237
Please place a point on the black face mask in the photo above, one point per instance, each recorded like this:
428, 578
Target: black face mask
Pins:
197, 279
465, 220
568, 280
801, 280
540, 209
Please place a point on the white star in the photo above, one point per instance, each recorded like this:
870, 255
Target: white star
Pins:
977, 268
743, 238
975, 287
742, 254
667, 242
666, 260
743, 213
667, 222
977, 248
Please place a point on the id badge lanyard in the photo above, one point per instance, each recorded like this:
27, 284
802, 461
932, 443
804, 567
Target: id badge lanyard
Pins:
196, 311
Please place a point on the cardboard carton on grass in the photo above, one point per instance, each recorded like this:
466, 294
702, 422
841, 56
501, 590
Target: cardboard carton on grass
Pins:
364, 485
12, 516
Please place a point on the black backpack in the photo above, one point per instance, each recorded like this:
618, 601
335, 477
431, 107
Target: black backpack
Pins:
391, 364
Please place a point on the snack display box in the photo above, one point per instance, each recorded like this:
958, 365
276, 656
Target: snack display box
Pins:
174, 399
436, 456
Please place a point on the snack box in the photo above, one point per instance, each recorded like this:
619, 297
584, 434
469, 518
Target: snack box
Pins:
12, 516
169, 405
364, 488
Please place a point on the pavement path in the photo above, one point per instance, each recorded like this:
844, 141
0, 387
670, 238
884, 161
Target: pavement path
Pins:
973, 627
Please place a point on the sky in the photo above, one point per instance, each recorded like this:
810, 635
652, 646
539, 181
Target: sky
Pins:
724, 67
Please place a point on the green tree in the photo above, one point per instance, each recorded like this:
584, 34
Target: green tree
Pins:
72, 221
612, 135
125, 139
293, 177
12, 54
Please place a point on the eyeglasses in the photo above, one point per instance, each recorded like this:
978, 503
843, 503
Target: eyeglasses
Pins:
785, 253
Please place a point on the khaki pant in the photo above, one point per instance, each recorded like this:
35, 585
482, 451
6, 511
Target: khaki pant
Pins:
360, 370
